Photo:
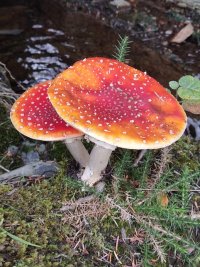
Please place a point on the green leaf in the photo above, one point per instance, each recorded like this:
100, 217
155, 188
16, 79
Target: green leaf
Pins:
189, 82
174, 85
18, 239
122, 48
189, 94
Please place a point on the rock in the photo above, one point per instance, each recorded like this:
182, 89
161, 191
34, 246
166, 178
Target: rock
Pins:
193, 128
183, 34
165, 43
41, 149
30, 157
12, 151
28, 144
2, 247
121, 5
47, 169
181, 4
168, 32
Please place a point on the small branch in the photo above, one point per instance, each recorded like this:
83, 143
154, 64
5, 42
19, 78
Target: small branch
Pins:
158, 248
73, 206
161, 165
139, 157
3, 168
46, 169
171, 190
11, 76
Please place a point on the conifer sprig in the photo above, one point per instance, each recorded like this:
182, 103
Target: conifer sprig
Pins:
122, 48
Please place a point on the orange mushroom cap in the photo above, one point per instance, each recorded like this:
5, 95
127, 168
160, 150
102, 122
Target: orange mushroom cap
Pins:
34, 116
117, 104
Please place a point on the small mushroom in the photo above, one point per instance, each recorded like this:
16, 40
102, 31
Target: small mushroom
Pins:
34, 116
116, 106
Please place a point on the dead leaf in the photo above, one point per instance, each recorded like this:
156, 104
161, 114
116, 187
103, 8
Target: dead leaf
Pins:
192, 106
163, 199
183, 34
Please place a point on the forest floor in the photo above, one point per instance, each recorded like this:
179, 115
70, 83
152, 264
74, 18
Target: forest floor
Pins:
148, 214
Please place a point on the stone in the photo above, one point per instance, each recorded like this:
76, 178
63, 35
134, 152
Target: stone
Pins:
168, 32
121, 5
41, 149
28, 144
30, 157
12, 151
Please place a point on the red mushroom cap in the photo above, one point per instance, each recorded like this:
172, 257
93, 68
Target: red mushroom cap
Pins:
34, 116
117, 104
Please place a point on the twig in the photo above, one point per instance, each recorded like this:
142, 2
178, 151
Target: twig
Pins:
158, 249
139, 157
171, 190
82, 200
11, 76
34, 169
159, 170
3, 168
161, 165
117, 258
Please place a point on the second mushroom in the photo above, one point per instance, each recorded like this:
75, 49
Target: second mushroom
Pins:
34, 116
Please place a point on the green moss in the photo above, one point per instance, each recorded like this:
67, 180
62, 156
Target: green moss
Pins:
186, 152
8, 136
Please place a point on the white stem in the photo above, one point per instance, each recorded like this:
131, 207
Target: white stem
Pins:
98, 161
78, 151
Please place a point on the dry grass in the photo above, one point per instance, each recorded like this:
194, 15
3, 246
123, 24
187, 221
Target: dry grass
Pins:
7, 95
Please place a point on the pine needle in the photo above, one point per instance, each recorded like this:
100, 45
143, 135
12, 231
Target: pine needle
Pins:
122, 49
158, 248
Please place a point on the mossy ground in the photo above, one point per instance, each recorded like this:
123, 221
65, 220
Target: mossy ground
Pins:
146, 216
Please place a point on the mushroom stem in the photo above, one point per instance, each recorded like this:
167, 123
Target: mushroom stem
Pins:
98, 161
77, 150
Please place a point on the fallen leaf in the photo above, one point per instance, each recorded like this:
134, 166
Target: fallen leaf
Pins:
163, 199
192, 106
183, 34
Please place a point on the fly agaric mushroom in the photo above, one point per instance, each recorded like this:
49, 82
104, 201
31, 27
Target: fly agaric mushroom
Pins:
116, 106
34, 116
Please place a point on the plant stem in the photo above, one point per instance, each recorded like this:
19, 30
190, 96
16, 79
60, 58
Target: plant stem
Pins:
122, 48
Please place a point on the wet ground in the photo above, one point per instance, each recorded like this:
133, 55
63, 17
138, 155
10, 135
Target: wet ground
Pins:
39, 39
36, 45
